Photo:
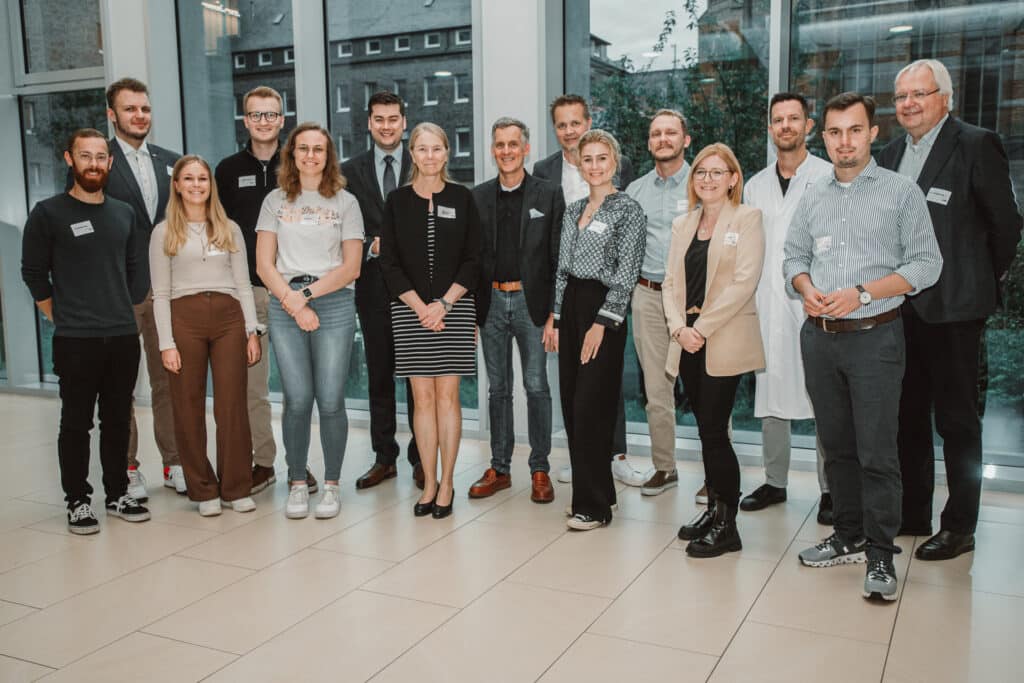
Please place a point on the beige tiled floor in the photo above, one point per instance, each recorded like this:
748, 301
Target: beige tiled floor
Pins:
500, 591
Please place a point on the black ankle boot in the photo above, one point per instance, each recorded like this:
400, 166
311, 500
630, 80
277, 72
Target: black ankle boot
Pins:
699, 525
721, 537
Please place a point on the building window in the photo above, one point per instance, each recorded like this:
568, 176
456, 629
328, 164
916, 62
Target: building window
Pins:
239, 61
399, 87
463, 142
342, 148
463, 36
429, 90
288, 111
368, 90
239, 108
373, 47
402, 43
463, 88
266, 58
289, 55
29, 113
35, 172
341, 96
432, 40
345, 49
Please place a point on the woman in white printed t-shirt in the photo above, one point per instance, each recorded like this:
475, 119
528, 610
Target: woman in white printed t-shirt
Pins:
308, 252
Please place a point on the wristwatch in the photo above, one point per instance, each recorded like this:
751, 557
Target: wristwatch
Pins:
308, 293
865, 295
447, 305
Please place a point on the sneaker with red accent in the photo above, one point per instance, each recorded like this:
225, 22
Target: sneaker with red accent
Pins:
174, 478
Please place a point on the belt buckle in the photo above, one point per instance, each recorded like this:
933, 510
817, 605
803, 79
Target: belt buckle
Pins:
824, 326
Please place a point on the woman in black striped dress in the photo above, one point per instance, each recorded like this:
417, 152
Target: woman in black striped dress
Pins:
430, 244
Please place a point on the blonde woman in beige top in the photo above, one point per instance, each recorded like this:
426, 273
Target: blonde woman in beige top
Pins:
205, 316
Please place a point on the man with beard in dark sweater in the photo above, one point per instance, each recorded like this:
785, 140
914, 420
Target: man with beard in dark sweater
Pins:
79, 260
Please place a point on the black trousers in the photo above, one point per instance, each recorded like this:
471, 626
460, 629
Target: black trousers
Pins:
712, 400
590, 397
853, 379
373, 305
942, 372
94, 370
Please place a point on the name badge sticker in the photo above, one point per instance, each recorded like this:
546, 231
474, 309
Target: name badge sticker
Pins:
445, 212
823, 245
214, 251
682, 205
246, 181
732, 239
309, 219
939, 196
83, 228
534, 213
170, 170
598, 227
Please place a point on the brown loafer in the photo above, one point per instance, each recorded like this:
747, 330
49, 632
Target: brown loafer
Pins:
262, 477
375, 475
490, 483
542, 491
417, 475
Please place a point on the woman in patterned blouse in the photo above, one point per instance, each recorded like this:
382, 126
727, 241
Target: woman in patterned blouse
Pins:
602, 248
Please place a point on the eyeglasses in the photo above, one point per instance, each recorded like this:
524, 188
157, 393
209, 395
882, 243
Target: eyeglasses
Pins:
87, 158
714, 174
917, 96
270, 116
305, 150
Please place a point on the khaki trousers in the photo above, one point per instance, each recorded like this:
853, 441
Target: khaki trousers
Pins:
652, 339
163, 411
258, 393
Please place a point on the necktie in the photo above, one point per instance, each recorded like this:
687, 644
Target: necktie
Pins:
389, 175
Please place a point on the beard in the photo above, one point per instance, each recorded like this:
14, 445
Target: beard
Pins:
93, 183
127, 132
789, 146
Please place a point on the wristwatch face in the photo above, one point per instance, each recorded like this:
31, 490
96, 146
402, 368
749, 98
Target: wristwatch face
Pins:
306, 292
865, 298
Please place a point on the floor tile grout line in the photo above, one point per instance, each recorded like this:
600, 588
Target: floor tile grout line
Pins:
662, 646
899, 604
753, 602
29, 661
817, 633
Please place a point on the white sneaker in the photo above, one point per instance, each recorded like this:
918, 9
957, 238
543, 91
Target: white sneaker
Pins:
246, 504
137, 486
583, 523
565, 474
298, 502
330, 505
174, 478
624, 472
568, 509
209, 508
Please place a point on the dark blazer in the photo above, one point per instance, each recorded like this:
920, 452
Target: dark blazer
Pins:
121, 184
403, 244
538, 244
361, 175
551, 169
977, 230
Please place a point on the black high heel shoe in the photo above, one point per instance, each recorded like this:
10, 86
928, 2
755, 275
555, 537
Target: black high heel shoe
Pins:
424, 509
442, 511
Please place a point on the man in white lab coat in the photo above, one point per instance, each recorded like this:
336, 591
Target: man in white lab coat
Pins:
780, 396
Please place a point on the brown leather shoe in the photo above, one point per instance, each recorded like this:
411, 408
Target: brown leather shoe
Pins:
262, 477
311, 481
375, 475
489, 484
417, 475
542, 491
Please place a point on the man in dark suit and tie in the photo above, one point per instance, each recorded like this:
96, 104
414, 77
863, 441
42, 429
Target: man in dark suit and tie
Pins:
964, 173
570, 116
521, 218
371, 176
141, 177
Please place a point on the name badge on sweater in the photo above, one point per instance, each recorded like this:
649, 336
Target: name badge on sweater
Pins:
939, 196
445, 212
83, 228
598, 227
534, 213
732, 239
246, 181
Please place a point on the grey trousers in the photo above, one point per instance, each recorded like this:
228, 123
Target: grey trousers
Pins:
776, 445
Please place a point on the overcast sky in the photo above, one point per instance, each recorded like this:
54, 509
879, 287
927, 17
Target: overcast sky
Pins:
632, 28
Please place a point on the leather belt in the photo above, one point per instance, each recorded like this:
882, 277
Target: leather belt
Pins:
516, 286
650, 284
303, 280
854, 324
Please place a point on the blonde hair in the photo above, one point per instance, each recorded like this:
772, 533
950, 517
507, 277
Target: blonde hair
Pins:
420, 129
722, 151
218, 226
596, 135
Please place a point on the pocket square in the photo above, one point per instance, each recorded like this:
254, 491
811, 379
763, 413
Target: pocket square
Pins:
534, 213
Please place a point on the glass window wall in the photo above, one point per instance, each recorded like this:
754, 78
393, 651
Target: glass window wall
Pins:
45, 25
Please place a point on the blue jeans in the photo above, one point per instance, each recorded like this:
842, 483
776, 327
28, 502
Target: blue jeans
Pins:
509, 318
314, 365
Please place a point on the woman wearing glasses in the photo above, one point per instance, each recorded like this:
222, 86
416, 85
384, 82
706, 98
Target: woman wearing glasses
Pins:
430, 258
308, 252
714, 265
205, 320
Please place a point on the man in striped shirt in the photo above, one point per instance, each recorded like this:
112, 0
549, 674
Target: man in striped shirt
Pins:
860, 241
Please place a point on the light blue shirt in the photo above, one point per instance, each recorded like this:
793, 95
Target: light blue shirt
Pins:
379, 165
914, 155
663, 200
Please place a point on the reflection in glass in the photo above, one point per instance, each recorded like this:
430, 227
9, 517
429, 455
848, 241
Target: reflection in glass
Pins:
50, 46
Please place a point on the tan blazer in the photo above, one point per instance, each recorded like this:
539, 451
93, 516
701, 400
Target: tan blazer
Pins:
728, 318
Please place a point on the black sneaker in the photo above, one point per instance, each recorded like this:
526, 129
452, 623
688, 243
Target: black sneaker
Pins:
128, 509
833, 551
880, 580
81, 520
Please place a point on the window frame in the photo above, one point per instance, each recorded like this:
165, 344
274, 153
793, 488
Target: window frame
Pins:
457, 40
342, 105
456, 98
268, 54
240, 61
341, 49
408, 43
459, 152
380, 46
427, 102
426, 40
